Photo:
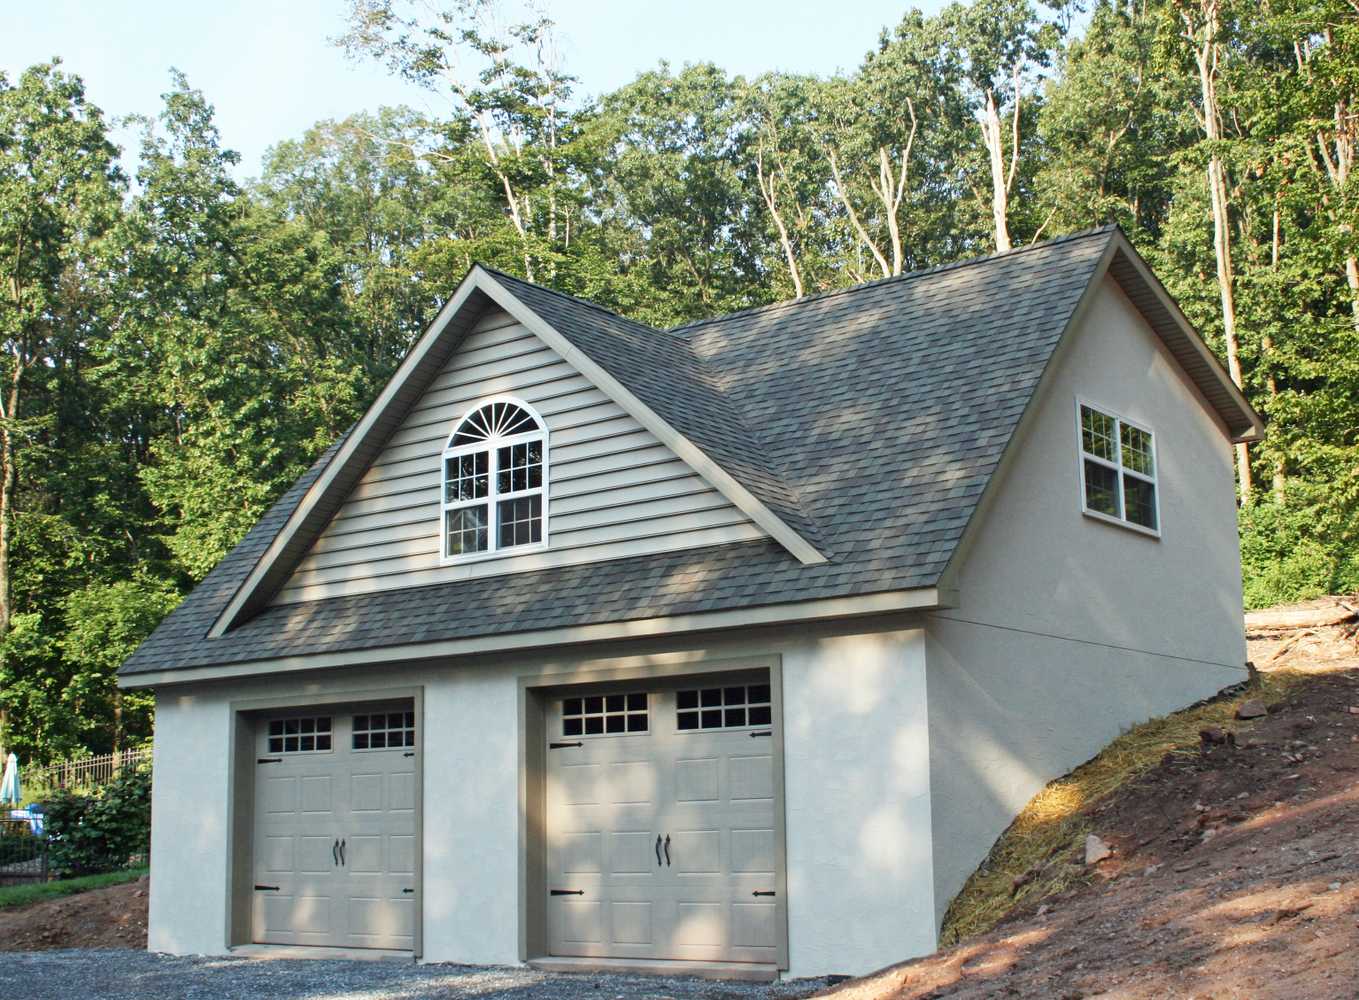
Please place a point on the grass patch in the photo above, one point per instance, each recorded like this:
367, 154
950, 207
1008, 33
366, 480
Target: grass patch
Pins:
1047, 838
37, 892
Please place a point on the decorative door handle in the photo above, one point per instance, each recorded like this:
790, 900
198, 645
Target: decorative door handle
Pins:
335, 851
658, 850
667, 850
342, 861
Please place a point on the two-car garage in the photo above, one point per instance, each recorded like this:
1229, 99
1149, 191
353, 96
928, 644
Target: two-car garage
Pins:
656, 832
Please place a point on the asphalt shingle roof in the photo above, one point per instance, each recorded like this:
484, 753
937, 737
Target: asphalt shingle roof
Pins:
870, 420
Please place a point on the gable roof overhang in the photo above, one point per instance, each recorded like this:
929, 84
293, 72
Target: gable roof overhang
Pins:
479, 290
1121, 262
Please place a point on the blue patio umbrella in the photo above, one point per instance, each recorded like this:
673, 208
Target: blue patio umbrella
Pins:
9, 787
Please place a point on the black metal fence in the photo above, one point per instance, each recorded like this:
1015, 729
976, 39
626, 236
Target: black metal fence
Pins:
23, 858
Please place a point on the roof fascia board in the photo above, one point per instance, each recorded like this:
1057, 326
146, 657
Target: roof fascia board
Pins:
1257, 427
690, 453
886, 602
341, 458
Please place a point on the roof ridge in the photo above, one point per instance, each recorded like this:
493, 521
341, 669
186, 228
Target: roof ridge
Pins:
682, 329
574, 298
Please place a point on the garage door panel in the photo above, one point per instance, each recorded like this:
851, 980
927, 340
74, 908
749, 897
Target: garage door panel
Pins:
700, 924
582, 853
364, 855
401, 793
318, 794
276, 854
335, 832
401, 854
633, 922
579, 783
754, 925
632, 782
580, 921
315, 855
752, 777
754, 852
697, 779
695, 852
279, 794
711, 792
365, 791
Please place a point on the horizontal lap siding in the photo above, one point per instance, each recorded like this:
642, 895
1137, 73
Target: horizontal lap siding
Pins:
614, 489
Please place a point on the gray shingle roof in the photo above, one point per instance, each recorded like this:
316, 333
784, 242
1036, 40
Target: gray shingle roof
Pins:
870, 419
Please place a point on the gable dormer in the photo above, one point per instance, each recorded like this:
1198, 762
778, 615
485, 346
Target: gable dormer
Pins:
511, 460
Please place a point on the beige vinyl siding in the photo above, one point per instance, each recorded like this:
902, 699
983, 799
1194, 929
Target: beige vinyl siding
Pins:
613, 489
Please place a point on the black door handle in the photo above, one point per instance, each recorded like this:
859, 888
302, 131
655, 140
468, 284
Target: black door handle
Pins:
658, 850
667, 850
342, 860
335, 851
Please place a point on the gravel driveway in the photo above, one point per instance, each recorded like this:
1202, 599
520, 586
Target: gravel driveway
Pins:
137, 975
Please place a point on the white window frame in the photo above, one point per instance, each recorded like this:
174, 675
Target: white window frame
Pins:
1117, 466
493, 496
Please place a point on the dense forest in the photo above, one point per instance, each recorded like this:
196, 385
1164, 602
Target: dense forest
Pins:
179, 345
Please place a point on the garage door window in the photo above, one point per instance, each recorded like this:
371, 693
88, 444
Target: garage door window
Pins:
731, 707
300, 735
384, 731
605, 714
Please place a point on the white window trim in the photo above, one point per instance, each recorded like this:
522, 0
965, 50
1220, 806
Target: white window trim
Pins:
493, 496
1117, 466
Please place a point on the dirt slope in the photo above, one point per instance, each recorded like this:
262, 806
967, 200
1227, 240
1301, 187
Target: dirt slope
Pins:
1235, 873
102, 918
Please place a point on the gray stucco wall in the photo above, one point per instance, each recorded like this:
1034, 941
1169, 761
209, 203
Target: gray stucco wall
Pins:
1070, 629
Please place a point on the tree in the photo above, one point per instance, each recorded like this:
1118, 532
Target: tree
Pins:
59, 196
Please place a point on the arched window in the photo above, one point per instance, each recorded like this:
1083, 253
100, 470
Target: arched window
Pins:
495, 480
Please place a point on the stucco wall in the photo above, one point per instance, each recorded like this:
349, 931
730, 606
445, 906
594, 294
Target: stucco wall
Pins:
860, 889
1070, 629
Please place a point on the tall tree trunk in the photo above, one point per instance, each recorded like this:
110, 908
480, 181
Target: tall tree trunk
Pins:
768, 191
1203, 35
1279, 484
1000, 192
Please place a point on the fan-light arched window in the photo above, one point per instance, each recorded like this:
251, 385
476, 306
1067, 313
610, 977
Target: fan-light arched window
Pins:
495, 481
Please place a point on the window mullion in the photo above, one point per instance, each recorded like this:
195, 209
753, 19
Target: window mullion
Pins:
1118, 466
492, 497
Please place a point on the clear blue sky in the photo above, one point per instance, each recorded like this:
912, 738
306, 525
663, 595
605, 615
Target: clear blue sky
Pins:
270, 71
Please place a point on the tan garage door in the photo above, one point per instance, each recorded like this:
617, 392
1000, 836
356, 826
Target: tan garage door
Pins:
335, 829
661, 825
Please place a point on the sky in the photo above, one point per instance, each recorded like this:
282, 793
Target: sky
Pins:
270, 70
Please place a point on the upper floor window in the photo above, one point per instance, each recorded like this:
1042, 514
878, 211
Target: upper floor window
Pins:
1118, 469
494, 480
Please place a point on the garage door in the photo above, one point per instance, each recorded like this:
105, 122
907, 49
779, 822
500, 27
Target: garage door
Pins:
661, 825
335, 829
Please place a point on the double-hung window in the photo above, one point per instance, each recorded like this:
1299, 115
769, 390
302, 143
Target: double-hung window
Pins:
1118, 469
495, 481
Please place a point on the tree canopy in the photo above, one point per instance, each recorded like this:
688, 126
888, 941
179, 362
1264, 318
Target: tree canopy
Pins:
179, 344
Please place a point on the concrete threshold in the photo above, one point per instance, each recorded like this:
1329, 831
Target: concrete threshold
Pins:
749, 972
291, 951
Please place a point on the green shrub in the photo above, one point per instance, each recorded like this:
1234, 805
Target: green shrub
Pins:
104, 831
1293, 554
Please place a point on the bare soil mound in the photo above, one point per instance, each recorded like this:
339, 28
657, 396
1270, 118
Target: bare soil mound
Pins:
102, 918
1234, 872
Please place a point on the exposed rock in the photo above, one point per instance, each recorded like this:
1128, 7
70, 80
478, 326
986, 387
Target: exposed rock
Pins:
1096, 850
1252, 709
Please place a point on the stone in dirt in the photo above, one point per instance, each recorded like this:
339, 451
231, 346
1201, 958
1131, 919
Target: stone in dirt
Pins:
1252, 709
1096, 850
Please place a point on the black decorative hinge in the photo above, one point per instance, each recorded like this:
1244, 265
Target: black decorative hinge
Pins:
757, 892
559, 746
409, 753
260, 888
568, 892
765, 733
269, 760
407, 890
